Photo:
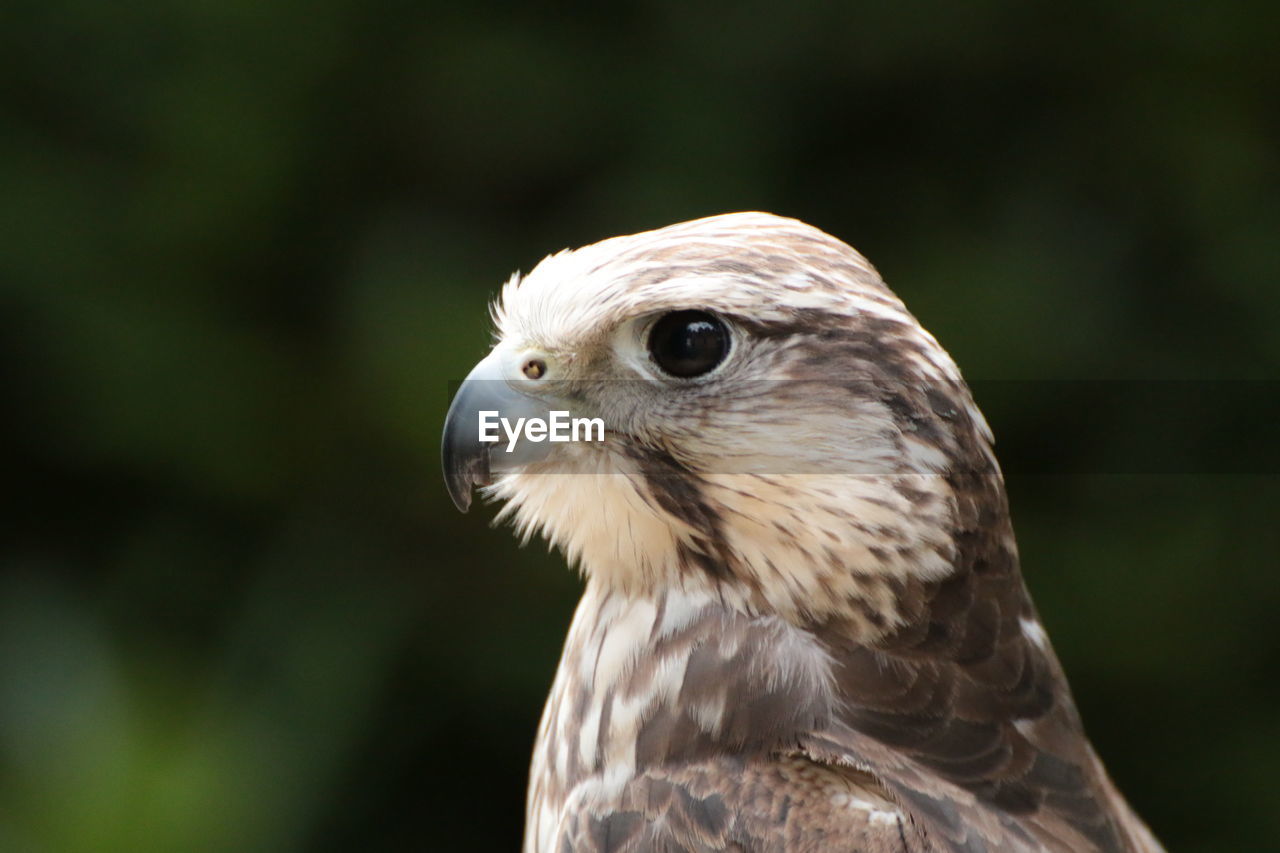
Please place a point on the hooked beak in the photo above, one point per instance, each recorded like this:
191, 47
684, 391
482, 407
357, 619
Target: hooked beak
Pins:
489, 393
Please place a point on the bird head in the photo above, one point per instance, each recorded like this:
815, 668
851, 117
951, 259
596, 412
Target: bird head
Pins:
763, 397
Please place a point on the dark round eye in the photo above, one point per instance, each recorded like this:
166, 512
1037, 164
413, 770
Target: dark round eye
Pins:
688, 343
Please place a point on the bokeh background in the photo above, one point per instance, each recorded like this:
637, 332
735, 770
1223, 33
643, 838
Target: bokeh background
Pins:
246, 246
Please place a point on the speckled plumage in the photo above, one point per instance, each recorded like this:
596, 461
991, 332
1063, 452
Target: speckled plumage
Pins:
804, 627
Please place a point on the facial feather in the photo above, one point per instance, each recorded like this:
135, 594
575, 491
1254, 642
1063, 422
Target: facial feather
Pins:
817, 421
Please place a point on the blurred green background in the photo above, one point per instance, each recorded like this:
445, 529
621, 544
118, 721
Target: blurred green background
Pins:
245, 247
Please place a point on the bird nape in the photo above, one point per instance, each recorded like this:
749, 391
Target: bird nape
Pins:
803, 627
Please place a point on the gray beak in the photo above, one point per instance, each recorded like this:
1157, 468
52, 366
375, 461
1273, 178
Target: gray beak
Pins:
486, 396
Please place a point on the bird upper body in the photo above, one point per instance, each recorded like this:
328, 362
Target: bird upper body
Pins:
804, 626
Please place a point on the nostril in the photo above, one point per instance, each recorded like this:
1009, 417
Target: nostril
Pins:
534, 368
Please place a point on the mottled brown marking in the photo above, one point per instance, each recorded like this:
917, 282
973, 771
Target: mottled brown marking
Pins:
905, 711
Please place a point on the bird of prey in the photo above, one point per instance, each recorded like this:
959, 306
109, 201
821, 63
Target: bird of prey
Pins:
803, 627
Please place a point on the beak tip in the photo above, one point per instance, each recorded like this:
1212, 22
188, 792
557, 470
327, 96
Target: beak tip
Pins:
460, 492
463, 471
464, 456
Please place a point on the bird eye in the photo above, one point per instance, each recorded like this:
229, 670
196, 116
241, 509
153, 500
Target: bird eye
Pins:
688, 343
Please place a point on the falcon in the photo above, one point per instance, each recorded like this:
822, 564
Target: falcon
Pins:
803, 627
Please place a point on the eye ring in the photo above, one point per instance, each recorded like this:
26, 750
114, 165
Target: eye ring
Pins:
687, 344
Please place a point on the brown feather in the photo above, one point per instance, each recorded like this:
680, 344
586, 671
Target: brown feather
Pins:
831, 651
